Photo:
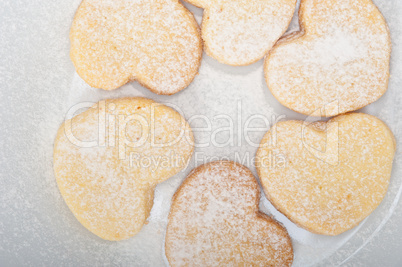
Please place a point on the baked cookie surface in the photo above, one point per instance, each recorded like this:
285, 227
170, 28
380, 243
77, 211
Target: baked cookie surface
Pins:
156, 43
341, 55
107, 165
214, 221
241, 32
327, 177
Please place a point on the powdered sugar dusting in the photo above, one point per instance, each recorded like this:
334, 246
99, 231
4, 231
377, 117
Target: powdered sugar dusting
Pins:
36, 74
154, 42
321, 197
339, 48
110, 195
342, 54
214, 221
241, 32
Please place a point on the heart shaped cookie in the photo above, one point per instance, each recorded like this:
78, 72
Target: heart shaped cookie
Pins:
214, 221
341, 55
108, 160
327, 177
241, 32
156, 43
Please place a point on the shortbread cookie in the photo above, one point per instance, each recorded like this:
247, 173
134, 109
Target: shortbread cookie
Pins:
327, 177
340, 56
156, 43
214, 221
241, 32
108, 160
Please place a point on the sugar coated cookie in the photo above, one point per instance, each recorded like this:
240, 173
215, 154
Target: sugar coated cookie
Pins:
341, 55
156, 43
108, 159
241, 32
214, 221
327, 177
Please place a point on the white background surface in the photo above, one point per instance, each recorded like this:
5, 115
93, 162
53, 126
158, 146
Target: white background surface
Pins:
38, 85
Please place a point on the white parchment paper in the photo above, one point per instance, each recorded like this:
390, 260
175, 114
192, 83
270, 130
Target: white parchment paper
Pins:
39, 85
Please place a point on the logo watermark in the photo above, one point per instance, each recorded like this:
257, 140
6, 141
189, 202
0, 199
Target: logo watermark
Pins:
146, 129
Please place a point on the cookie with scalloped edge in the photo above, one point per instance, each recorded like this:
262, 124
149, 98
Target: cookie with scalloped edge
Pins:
215, 221
156, 43
108, 160
341, 55
327, 177
241, 32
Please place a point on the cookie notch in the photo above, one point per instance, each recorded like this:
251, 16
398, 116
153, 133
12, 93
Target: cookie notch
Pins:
341, 55
156, 43
110, 192
215, 221
326, 198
